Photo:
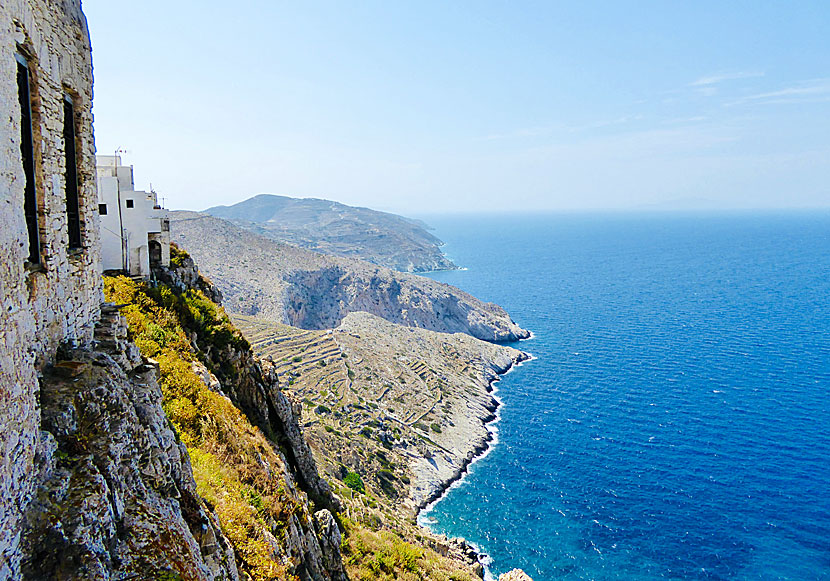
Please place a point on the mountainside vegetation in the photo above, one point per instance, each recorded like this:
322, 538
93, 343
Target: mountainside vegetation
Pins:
228, 454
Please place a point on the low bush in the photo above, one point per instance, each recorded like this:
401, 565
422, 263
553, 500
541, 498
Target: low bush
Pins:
355, 482
379, 555
177, 255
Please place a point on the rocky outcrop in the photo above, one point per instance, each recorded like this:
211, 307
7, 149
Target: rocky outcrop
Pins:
186, 276
251, 386
515, 575
116, 498
288, 420
332, 228
290, 285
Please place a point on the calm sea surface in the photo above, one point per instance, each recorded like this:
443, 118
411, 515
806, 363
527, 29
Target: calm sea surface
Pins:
676, 421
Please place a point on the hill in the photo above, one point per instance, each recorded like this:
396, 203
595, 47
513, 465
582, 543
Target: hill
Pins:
285, 284
329, 227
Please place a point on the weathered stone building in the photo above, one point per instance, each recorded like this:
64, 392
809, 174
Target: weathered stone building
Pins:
50, 285
135, 229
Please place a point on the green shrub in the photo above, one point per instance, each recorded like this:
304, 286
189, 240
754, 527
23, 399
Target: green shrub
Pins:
436, 428
355, 482
387, 475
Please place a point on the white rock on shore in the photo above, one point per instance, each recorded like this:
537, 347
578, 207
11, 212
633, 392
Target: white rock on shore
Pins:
515, 575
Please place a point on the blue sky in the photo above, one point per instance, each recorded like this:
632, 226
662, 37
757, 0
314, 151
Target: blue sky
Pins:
448, 106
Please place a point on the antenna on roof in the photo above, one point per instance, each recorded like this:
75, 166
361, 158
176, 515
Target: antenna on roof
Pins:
124, 265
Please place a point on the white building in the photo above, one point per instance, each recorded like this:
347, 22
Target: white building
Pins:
135, 229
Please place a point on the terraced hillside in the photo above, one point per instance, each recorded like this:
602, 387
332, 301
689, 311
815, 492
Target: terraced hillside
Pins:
404, 408
309, 362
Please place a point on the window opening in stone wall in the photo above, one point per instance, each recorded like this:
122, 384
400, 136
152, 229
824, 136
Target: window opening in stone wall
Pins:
102, 209
27, 152
130, 204
165, 225
73, 213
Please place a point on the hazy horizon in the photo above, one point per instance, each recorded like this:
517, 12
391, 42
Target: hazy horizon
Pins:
443, 108
690, 206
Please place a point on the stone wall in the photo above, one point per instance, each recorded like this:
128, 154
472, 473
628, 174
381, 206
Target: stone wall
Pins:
58, 302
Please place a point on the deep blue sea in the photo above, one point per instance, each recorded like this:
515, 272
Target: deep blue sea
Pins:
676, 421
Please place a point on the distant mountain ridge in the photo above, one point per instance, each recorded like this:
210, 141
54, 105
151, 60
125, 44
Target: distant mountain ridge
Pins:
385, 239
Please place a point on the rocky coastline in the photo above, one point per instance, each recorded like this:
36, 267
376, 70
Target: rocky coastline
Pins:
480, 447
479, 451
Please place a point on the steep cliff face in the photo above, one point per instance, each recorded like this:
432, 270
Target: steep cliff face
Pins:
146, 469
254, 389
290, 285
116, 497
322, 298
379, 541
250, 460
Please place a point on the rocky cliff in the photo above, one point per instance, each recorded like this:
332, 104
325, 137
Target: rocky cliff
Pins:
147, 468
333, 228
187, 462
116, 497
305, 289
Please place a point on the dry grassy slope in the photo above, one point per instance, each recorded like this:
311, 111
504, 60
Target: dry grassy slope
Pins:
403, 407
285, 284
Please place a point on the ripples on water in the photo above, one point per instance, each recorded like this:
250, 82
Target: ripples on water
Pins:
676, 423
